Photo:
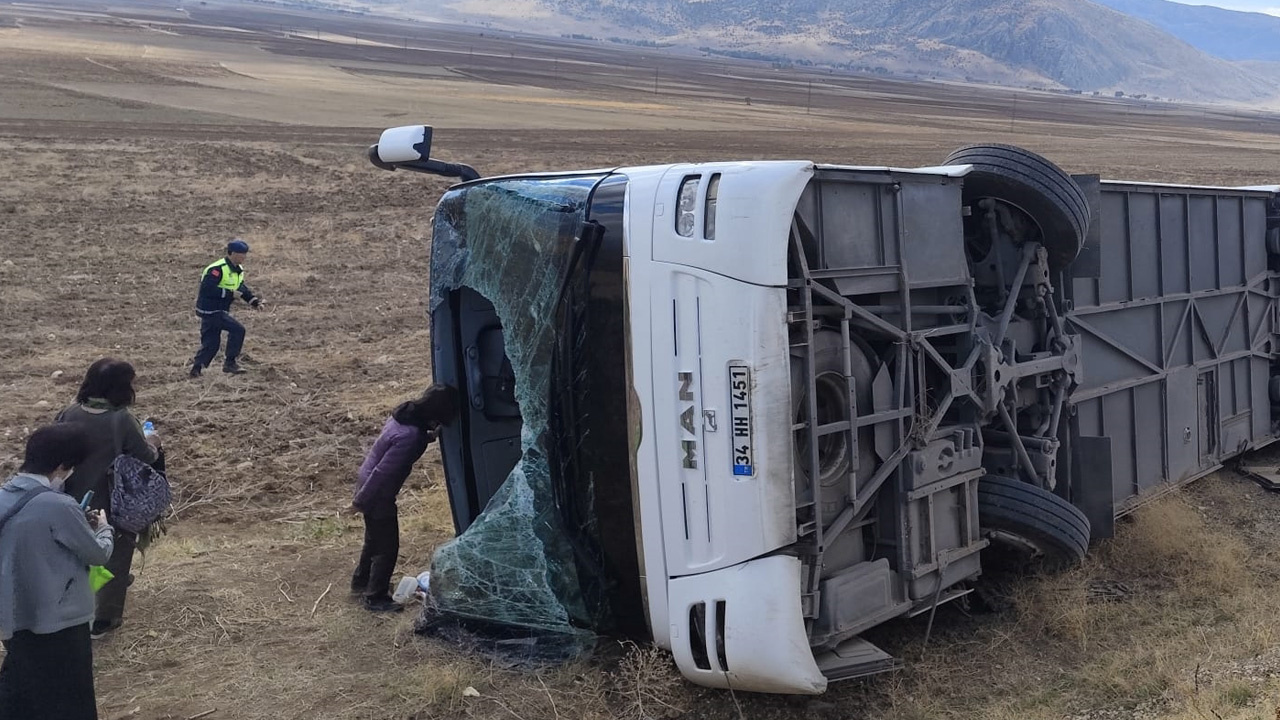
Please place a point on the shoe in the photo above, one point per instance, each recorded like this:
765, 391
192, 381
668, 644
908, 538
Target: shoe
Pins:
100, 628
195, 371
382, 604
233, 369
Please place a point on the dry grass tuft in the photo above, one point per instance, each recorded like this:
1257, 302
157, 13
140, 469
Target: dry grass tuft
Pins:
441, 686
1170, 541
646, 684
1057, 606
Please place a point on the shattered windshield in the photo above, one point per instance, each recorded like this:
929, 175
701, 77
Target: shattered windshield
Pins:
518, 244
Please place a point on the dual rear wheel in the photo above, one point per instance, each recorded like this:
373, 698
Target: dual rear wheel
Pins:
1026, 523
1021, 519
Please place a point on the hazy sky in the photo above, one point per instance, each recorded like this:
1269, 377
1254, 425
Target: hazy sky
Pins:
1271, 7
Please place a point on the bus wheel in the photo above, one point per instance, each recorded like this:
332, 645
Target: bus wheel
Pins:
1037, 187
1032, 524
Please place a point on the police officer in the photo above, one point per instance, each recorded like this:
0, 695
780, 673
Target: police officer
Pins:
219, 284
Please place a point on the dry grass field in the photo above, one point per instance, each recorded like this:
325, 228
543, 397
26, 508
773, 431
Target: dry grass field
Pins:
137, 138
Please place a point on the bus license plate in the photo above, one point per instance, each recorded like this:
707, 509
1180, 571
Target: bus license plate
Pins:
740, 418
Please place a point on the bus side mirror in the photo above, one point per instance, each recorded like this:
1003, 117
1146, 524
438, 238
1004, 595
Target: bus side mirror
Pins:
409, 148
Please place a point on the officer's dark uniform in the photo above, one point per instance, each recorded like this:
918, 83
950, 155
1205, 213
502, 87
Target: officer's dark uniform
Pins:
219, 284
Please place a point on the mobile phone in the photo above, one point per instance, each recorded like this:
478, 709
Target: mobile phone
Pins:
84, 504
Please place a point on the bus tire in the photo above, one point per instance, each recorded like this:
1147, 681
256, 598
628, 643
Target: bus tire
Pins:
1034, 185
1033, 521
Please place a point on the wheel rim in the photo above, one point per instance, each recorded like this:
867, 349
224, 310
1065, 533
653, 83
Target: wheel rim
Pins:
833, 449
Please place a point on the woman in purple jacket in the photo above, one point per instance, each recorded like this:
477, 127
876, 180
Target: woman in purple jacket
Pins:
412, 426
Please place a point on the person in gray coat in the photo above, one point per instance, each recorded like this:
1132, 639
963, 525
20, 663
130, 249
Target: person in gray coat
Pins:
47, 544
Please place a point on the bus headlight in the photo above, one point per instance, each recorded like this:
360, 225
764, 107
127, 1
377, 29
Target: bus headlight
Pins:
687, 205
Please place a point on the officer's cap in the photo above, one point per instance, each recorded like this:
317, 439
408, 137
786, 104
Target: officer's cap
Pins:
237, 246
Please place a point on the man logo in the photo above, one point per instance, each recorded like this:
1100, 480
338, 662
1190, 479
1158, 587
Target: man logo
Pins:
689, 445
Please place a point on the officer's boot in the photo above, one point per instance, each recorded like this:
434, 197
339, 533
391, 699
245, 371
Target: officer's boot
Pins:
233, 368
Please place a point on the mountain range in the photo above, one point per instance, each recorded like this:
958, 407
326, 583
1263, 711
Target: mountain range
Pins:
1136, 47
1224, 33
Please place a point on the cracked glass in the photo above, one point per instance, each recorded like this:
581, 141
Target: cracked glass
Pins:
513, 242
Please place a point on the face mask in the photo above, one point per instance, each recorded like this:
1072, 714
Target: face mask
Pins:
59, 483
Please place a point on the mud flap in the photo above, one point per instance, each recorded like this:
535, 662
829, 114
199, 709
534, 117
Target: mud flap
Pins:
1091, 460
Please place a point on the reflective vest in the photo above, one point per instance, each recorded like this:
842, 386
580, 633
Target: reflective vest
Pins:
229, 280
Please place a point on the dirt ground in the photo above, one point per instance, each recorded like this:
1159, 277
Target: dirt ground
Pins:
138, 137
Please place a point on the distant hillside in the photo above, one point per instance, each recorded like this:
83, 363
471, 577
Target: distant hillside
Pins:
1070, 44
1226, 33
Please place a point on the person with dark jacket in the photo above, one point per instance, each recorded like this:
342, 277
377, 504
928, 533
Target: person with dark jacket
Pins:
412, 426
219, 283
47, 544
102, 409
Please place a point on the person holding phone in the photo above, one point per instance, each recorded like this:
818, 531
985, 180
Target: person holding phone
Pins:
47, 544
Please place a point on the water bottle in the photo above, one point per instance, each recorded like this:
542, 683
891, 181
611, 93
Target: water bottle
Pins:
148, 428
405, 590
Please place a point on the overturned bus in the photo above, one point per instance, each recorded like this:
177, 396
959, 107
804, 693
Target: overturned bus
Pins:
750, 410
